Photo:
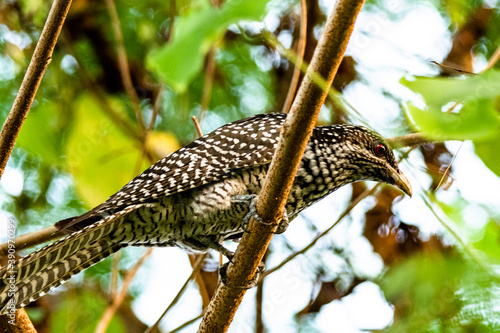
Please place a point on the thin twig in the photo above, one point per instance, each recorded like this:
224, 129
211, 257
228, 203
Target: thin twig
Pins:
209, 82
346, 212
36, 69
200, 281
114, 275
493, 60
447, 226
197, 126
172, 12
301, 47
110, 311
259, 300
458, 70
408, 140
196, 269
187, 323
101, 98
293, 139
128, 84
33, 238
156, 107
448, 167
19, 111
123, 64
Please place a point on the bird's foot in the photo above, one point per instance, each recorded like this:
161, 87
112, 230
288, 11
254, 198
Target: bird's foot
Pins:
283, 223
206, 242
251, 201
250, 284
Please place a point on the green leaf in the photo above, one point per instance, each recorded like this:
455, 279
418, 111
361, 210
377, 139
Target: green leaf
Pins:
426, 284
476, 120
441, 90
178, 62
487, 150
489, 244
477, 117
99, 155
41, 133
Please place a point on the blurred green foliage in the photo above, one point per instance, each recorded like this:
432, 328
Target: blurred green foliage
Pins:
429, 284
460, 108
80, 310
72, 152
180, 61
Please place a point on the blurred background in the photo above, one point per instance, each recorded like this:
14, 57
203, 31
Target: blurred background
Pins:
127, 76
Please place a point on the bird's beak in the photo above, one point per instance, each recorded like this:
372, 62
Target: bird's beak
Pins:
399, 180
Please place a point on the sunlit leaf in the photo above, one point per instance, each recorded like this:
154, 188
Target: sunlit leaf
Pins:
471, 100
162, 143
179, 61
489, 243
441, 90
428, 284
476, 119
480, 294
99, 155
40, 134
471, 233
487, 150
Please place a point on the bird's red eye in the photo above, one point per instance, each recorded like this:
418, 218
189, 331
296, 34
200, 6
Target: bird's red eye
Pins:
380, 149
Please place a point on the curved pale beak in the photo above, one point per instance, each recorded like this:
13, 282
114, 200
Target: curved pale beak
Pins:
399, 180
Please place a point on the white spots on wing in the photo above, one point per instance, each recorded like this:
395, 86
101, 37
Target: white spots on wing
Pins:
308, 178
236, 145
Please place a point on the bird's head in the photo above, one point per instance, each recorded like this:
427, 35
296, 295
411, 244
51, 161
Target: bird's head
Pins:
364, 155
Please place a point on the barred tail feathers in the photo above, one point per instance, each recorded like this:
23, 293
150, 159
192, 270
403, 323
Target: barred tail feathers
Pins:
50, 277
41, 271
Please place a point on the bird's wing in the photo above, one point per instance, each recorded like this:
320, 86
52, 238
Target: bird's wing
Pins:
213, 157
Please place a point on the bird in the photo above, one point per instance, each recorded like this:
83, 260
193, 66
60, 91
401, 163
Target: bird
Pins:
198, 196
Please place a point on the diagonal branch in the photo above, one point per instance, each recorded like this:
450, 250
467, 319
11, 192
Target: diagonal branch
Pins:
124, 66
17, 115
38, 64
31, 239
293, 140
301, 48
346, 212
103, 323
196, 269
409, 140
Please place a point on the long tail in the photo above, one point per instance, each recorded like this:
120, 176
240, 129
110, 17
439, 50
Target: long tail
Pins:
36, 274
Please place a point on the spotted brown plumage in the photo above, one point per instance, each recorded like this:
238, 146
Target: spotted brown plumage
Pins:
193, 197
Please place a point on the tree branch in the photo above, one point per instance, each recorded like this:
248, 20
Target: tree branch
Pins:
301, 48
196, 269
123, 65
293, 140
103, 324
409, 140
17, 115
31, 239
39, 63
313, 242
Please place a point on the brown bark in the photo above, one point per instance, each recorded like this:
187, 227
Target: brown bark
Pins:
39, 63
294, 136
17, 115
18, 323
